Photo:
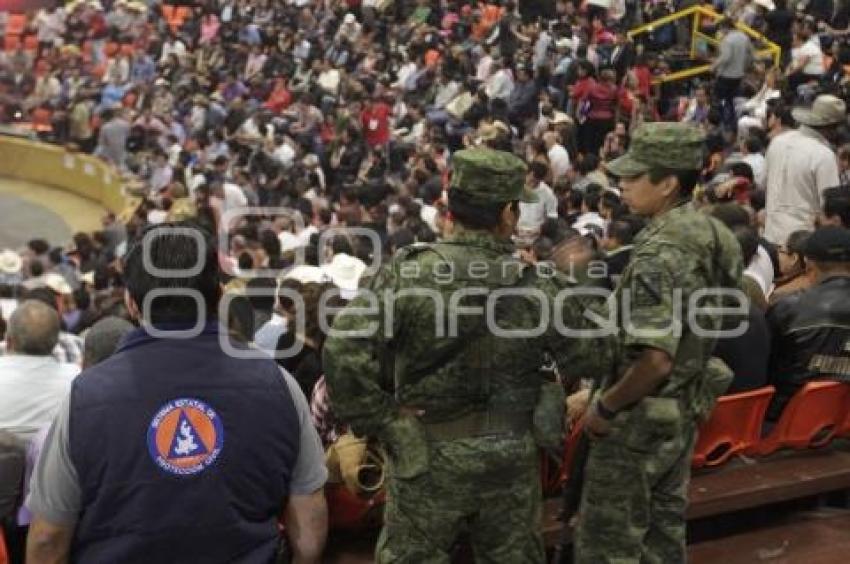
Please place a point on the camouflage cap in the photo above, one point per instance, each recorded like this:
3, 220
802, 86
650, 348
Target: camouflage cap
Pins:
490, 176
673, 146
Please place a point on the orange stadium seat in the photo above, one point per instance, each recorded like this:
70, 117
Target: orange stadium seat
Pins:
4, 554
15, 24
733, 428
11, 42
810, 420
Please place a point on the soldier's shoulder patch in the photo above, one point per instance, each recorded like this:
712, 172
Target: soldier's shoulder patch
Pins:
647, 288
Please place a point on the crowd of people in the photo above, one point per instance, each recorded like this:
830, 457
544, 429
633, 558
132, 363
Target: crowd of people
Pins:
312, 139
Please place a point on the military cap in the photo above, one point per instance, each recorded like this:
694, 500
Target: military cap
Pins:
673, 146
828, 244
490, 176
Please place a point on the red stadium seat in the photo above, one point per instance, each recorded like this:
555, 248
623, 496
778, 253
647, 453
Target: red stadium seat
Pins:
733, 428
11, 42
4, 554
15, 24
810, 420
845, 426
348, 511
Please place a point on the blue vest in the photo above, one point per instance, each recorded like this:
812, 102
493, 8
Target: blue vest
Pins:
184, 454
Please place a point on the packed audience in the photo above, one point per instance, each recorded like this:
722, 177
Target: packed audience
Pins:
335, 118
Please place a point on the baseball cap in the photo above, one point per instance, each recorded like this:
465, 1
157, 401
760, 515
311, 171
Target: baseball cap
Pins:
828, 244
672, 146
490, 176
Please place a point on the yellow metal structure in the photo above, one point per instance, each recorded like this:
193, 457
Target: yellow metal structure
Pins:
697, 13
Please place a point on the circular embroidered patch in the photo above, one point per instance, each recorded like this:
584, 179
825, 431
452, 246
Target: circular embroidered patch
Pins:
185, 436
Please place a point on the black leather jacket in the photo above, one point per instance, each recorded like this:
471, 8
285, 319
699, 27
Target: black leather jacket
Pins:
810, 337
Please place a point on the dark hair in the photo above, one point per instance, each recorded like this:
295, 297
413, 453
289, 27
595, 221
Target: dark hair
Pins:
539, 170
592, 196
687, 179
836, 202
623, 230
265, 299
169, 249
748, 239
731, 215
36, 268
38, 246
475, 215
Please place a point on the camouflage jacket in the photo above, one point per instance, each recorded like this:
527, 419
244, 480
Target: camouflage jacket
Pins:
430, 347
665, 292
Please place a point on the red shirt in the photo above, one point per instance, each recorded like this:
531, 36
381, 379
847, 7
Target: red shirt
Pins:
376, 124
278, 100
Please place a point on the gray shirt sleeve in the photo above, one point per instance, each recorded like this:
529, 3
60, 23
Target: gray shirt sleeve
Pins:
55, 494
310, 472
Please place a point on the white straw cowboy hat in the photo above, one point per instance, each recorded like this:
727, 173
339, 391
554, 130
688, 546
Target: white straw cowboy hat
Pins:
345, 272
10, 262
827, 110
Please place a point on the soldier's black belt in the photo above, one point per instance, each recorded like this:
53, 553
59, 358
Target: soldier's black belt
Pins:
480, 424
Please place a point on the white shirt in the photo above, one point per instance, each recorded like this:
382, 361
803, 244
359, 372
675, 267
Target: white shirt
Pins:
500, 85
234, 197
760, 269
810, 50
532, 215
285, 155
31, 390
559, 160
757, 165
800, 166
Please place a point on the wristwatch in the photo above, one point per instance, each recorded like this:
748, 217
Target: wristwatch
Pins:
603, 411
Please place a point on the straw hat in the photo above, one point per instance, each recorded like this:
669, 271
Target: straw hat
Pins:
826, 110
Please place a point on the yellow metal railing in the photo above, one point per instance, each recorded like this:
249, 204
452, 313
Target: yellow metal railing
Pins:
697, 13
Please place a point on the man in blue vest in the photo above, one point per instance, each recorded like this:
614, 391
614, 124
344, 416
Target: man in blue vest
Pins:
172, 450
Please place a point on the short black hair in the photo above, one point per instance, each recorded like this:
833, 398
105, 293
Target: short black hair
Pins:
748, 238
731, 215
267, 287
472, 214
171, 247
687, 179
836, 202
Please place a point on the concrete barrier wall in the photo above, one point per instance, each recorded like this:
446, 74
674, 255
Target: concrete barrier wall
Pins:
51, 165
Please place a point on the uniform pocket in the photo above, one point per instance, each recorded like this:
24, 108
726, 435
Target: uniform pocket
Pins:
650, 424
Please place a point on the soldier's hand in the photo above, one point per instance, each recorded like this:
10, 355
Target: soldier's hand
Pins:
576, 405
594, 425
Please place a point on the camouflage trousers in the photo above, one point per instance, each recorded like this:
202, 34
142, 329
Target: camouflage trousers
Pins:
486, 487
634, 498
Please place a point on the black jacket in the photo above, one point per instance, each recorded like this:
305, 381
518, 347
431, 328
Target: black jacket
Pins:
810, 336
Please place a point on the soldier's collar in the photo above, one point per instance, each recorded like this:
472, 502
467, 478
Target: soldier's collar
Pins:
661, 220
481, 239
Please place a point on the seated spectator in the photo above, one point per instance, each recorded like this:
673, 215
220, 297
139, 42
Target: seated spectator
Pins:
792, 266
618, 245
747, 354
810, 329
103, 338
32, 382
269, 463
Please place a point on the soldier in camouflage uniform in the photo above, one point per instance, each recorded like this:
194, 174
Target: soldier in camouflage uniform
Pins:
459, 405
643, 421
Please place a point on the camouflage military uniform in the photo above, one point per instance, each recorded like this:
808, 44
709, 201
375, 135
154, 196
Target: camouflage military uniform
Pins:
468, 462
636, 477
